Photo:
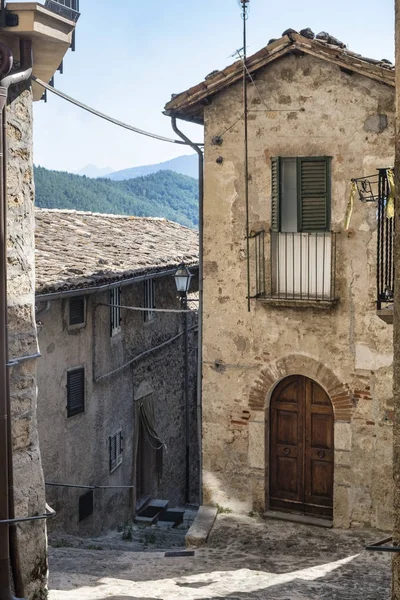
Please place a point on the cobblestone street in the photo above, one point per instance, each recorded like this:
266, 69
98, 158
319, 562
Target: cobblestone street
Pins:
245, 559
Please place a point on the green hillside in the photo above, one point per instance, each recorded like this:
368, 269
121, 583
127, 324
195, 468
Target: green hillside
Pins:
162, 194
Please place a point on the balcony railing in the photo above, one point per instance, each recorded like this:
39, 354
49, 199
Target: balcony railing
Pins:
385, 235
302, 267
65, 8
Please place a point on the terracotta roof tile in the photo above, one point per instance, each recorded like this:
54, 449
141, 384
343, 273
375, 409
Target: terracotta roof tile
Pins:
77, 250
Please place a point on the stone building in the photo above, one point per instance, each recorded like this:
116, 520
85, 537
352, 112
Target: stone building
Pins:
297, 386
45, 37
396, 332
111, 380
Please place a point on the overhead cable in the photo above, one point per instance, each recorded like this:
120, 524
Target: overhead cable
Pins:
97, 113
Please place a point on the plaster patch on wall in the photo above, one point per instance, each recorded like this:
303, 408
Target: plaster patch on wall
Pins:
370, 360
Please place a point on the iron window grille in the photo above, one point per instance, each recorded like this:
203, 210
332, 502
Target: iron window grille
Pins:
115, 449
77, 310
75, 391
115, 310
85, 505
149, 299
258, 263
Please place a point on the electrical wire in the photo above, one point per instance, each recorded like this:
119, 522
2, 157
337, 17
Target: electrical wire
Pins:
97, 113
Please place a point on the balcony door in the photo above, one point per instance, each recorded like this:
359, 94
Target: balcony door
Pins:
301, 448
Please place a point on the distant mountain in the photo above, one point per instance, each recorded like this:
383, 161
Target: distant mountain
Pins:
93, 171
185, 165
163, 194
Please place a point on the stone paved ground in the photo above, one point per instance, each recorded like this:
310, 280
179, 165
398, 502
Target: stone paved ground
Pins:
245, 559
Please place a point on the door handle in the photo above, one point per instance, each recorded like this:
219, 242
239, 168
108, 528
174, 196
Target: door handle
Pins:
286, 451
321, 453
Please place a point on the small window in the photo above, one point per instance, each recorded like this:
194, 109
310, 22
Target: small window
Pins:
115, 449
115, 310
75, 391
85, 505
149, 299
77, 310
300, 194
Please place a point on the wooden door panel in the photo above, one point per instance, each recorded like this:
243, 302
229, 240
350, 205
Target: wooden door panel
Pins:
321, 481
287, 427
301, 447
287, 478
318, 450
321, 432
286, 444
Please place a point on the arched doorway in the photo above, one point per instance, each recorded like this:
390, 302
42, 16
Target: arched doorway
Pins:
301, 448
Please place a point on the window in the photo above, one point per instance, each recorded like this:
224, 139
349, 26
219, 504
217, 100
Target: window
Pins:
75, 391
302, 247
85, 505
115, 447
149, 299
300, 199
115, 311
77, 310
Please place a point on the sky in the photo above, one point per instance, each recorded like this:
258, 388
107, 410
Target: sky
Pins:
131, 55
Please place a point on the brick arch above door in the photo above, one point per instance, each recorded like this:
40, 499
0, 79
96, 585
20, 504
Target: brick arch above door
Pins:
299, 364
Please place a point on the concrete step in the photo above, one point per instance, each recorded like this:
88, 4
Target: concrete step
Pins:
152, 511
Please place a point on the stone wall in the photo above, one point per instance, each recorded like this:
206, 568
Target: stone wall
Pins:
75, 450
396, 330
29, 487
320, 111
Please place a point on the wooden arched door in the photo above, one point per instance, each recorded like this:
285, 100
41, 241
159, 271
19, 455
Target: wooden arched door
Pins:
301, 448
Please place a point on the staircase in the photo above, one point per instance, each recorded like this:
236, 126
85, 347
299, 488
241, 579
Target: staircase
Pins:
156, 511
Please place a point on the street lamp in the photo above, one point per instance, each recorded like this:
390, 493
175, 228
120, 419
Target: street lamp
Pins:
182, 279
182, 282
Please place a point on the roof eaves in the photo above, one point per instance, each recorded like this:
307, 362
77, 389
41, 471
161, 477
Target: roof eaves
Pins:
189, 105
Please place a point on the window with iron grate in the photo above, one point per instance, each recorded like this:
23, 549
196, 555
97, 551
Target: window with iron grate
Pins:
149, 299
77, 310
115, 449
75, 391
115, 310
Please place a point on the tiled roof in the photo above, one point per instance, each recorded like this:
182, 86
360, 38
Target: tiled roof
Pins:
77, 250
189, 105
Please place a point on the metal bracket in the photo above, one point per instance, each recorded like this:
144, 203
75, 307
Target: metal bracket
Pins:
380, 546
48, 515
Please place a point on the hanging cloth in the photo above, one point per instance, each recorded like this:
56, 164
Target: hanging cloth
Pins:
391, 196
350, 206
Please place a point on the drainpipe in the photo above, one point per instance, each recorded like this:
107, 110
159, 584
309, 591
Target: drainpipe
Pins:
197, 149
8, 532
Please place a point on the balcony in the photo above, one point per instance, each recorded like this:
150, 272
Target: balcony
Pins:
376, 188
385, 263
301, 270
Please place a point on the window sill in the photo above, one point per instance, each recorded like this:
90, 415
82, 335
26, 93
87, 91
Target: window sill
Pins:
297, 303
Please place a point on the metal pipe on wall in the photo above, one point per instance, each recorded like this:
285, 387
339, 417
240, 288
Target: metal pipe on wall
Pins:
9, 554
199, 152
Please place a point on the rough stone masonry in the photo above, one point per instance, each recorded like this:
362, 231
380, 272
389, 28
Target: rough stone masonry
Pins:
29, 483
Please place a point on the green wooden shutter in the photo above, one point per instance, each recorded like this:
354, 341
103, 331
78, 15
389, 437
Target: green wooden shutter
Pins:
313, 192
275, 193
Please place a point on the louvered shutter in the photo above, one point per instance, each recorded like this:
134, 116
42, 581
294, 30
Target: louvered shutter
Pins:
313, 190
75, 392
275, 193
76, 310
